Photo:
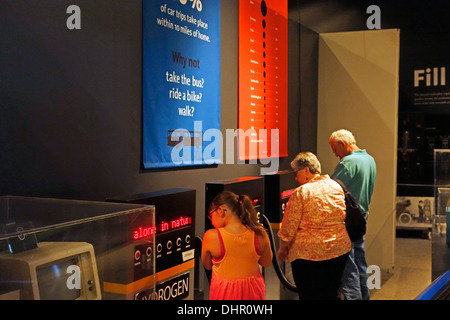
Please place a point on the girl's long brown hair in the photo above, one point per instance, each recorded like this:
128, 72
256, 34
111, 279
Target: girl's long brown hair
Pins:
241, 205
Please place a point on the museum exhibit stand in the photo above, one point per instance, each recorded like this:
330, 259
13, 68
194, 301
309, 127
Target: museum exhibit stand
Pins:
60, 249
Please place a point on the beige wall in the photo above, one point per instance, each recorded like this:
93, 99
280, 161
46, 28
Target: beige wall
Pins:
358, 91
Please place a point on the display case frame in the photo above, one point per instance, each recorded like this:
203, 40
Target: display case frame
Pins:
28, 225
441, 236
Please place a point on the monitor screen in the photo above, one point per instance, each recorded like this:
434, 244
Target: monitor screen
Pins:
53, 281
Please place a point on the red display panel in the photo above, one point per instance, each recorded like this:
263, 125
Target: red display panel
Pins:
143, 232
263, 79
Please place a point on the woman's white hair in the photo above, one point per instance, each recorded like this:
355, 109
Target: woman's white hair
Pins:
306, 159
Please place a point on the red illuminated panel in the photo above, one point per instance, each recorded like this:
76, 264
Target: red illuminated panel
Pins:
262, 78
256, 202
144, 232
174, 224
287, 193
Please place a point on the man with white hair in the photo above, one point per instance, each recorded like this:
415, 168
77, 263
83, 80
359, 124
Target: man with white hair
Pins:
357, 170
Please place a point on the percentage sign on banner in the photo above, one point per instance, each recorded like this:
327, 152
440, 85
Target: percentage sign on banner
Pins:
198, 4
195, 4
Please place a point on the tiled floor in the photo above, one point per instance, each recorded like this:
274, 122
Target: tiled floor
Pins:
412, 272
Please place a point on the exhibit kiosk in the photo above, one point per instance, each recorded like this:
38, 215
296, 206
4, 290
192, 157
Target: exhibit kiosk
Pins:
251, 186
174, 241
269, 202
60, 249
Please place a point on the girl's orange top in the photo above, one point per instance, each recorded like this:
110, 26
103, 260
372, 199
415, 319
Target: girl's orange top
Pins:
314, 221
236, 273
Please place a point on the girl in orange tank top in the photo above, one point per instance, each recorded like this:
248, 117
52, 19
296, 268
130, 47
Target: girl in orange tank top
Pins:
235, 249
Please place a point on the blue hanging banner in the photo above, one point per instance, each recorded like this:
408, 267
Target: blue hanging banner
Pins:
181, 83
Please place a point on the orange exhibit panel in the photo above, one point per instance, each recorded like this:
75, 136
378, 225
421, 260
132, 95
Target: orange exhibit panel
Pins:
262, 79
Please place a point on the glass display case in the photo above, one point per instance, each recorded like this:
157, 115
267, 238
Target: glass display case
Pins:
442, 187
69, 249
441, 235
443, 210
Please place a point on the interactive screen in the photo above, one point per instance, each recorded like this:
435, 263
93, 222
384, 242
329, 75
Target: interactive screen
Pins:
287, 193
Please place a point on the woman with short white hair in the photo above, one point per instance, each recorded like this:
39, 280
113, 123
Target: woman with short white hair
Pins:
313, 235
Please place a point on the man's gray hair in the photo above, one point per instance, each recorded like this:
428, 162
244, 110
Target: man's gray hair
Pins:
343, 136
